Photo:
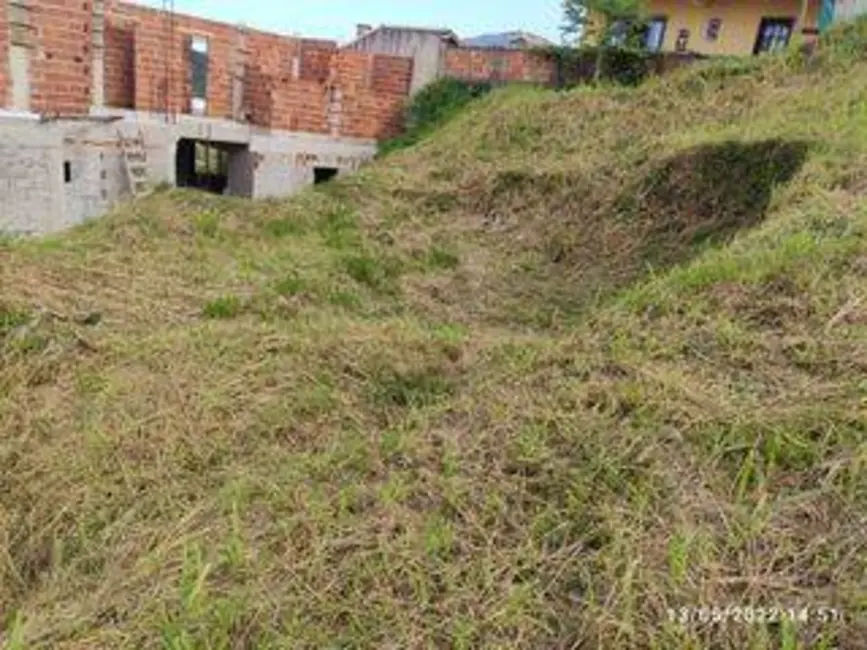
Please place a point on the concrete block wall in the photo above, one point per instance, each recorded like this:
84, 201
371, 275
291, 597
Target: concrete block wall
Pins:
5, 99
31, 190
59, 174
96, 177
286, 162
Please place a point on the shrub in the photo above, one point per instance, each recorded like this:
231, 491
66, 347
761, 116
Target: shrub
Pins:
847, 38
627, 66
433, 106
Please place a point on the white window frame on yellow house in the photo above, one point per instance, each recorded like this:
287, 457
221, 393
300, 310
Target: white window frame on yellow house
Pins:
653, 40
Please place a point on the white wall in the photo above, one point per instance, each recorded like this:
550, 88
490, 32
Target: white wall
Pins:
848, 9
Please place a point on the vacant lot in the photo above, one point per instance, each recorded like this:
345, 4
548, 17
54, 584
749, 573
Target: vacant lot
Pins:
577, 359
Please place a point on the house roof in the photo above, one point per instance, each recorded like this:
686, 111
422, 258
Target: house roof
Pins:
442, 32
508, 40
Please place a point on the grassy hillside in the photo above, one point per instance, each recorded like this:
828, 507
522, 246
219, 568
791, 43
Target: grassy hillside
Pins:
575, 360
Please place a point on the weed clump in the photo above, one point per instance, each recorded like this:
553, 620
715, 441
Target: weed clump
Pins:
223, 307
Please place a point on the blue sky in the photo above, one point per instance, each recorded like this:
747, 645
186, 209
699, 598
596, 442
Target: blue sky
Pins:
336, 19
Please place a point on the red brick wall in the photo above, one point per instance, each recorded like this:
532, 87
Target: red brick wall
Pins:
498, 65
293, 84
289, 83
374, 89
161, 59
268, 62
522, 66
361, 95
161, 69
60, 68
352, 94
269, 71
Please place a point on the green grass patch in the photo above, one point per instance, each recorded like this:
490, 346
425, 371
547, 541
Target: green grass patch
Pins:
442, 258
223, 307
11, 319
290, 285
285, 227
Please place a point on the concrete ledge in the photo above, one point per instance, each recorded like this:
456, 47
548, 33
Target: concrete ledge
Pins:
7, 114
225, 130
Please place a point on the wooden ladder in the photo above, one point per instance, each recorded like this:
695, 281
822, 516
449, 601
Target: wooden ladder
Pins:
135, 161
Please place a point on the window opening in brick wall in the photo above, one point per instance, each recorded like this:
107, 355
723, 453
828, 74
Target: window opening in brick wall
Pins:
67, 171
199, 74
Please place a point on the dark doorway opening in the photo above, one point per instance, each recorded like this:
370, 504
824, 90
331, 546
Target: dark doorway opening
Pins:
323, 174
218, 167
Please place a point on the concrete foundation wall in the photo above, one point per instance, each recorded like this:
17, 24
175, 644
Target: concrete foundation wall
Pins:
54, 175
31, 190
96, 176
284, 163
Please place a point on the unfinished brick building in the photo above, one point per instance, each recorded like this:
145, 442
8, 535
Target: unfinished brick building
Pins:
101, 98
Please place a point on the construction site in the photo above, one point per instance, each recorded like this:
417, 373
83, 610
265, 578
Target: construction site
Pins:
103, 100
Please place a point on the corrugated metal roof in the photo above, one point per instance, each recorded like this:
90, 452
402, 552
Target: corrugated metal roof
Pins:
442, 32
513, 40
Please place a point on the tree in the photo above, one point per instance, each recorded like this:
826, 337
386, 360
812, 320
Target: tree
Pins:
603, 21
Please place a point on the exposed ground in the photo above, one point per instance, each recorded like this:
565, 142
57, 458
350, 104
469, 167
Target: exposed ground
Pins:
577, 359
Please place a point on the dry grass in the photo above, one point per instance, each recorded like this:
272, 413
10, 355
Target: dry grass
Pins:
576, 361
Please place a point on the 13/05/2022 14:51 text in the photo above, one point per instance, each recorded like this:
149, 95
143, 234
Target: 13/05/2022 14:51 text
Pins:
749, 615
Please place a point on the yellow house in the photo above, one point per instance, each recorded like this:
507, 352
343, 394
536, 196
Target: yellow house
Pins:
725, 27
